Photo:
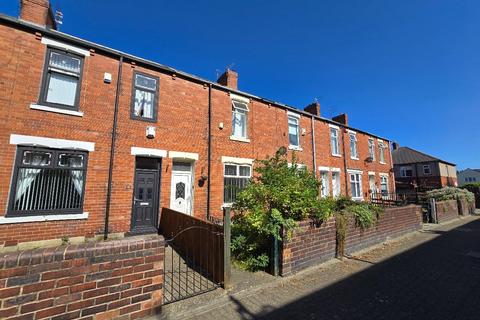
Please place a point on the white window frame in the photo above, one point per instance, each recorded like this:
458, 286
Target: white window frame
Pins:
241, 108
294, 117
337, 145
384, 178
353, 155
371, 148
381, 151
237, 175
358, 179
427, 166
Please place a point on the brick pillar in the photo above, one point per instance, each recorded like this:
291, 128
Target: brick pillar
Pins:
229, 78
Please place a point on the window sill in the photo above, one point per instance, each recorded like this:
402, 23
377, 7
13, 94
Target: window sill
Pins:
382, 162
353, 158
357, 199
296, 148
336, 155
239, 139
227, 205
53, 217
56, 110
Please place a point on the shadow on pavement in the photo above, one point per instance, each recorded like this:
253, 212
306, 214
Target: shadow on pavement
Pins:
439, 279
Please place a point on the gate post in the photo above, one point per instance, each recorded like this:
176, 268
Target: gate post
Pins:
226, 248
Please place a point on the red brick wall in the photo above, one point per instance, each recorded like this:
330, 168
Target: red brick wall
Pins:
446, 210
182, 125
393, 222
121, 278
310, 244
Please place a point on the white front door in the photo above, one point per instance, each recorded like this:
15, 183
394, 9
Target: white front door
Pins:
181, 190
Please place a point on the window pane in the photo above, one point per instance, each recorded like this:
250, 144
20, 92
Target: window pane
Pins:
245, 171
62, 89
182, 166
239, 125
144, 104
36, 158
48, 189
232, 186
293, 131
240, 106
70, 160
65, 62
145, 82
230, 170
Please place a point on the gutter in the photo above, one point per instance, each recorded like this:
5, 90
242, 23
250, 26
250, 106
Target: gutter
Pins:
112, 148
117, 54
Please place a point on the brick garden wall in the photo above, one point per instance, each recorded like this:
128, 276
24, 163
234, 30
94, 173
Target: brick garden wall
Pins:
115, 279
393, 222
446, 210
311, 244
465, 207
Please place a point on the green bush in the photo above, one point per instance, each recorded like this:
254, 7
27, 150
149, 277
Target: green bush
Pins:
450, 193
277, 197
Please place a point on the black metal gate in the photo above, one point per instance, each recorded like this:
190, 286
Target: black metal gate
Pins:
194, 256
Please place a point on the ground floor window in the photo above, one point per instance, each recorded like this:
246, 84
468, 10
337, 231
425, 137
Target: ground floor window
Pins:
384, 185
356, 185
47, 181
236, 177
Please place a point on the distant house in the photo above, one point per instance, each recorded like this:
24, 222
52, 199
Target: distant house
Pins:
416, 170
468, 176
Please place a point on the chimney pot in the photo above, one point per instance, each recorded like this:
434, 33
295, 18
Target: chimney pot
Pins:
38, 12
229, 79
313, 108
341, 118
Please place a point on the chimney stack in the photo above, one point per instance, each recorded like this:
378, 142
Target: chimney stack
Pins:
341, 118
229, 79
313, 108
38, 12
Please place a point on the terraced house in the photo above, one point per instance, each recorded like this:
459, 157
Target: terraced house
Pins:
95, 141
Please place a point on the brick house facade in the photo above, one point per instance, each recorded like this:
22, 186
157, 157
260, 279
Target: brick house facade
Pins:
181, 149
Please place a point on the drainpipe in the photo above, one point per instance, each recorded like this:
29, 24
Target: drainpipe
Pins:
345, 162
112, 148
314, 151
209, 155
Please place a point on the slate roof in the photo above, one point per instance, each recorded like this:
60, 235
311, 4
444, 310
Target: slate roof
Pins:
406, 155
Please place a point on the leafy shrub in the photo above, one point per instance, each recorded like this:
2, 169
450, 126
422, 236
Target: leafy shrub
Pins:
278, 196
450, 193
364, 213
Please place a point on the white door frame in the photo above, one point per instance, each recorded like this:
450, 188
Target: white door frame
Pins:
188, 174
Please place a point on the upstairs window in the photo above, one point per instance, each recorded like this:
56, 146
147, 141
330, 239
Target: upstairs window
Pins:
48, 181
236, 177
371, 148
239, 119
381, 150
353, 146
426, 169
406, 171
61, 79
293, 131
334, 141
144, 97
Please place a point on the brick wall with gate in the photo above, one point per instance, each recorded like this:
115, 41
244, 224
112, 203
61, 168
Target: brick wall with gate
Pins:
446, 210
115, 279
312, 244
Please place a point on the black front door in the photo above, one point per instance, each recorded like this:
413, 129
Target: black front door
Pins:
145, 200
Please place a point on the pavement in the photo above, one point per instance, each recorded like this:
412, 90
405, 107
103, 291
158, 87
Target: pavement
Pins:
431, 274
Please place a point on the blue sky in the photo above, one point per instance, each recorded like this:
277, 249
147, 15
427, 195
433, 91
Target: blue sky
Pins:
406, 70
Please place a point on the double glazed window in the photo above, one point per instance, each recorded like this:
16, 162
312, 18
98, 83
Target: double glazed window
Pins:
144, 97
334, 141
381, 150
61, 79
356, 185
406, 171
353, 146
236, 177
293, 131
426, 169
384, 185
371, 148
48, 181
239, 119
325, 191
